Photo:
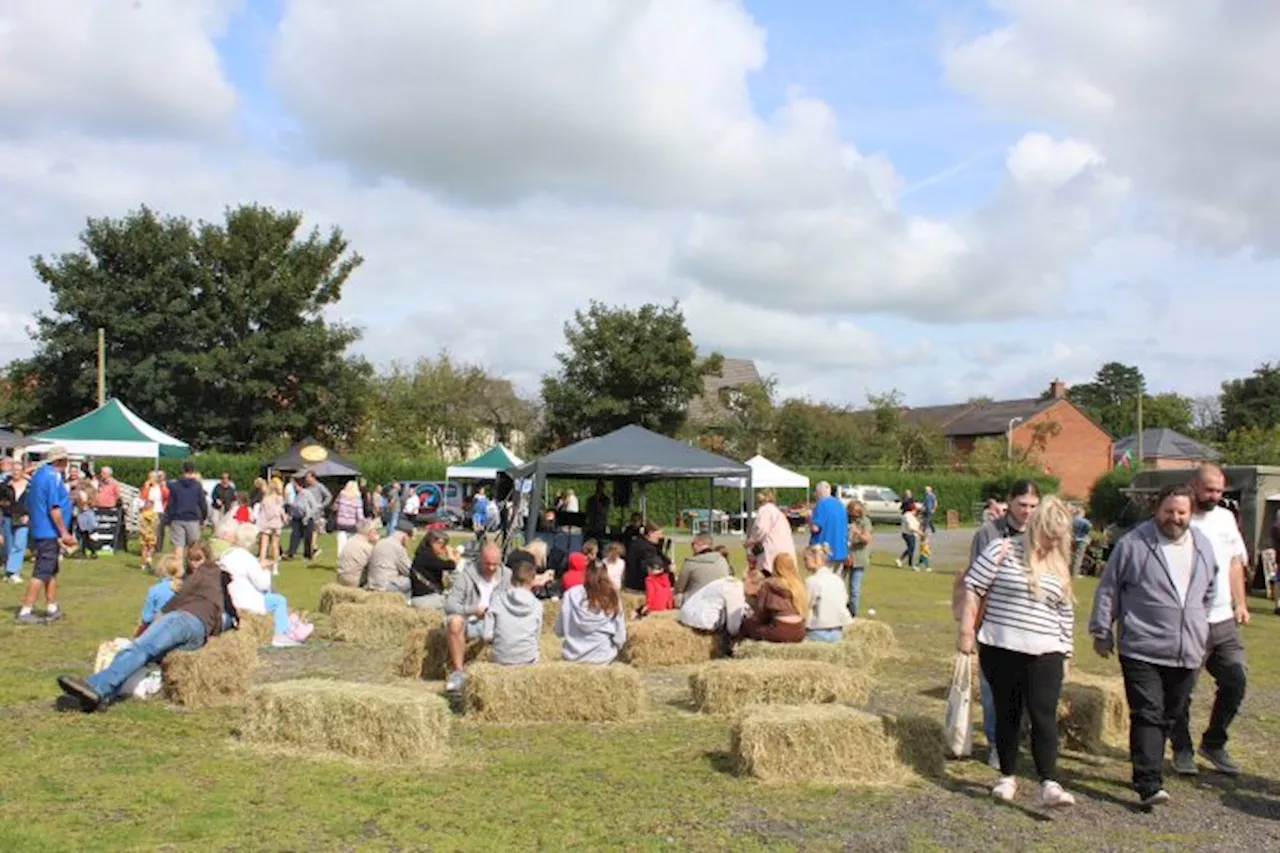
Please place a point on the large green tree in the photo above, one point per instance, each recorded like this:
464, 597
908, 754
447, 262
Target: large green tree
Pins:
215, 332
623, 366
1252, 402
1111, 399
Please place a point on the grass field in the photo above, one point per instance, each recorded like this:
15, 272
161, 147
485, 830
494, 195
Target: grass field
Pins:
145, 776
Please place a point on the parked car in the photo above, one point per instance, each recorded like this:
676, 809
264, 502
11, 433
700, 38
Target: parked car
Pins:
882, 502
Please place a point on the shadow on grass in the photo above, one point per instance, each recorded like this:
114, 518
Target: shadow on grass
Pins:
722, 762
1248, 794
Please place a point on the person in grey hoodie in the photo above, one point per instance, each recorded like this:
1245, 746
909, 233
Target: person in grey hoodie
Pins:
591, 620
1154, 600
473, 590
513, 622
700, 568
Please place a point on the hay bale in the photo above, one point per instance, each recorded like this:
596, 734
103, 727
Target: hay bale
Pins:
876, 639
631, 600
726, 687
260, 625
426, 653
550, 610
851, 655
1093, 713
372, 722
332, 594
553, 692
220, 673
665, 642
378, 626
834, 744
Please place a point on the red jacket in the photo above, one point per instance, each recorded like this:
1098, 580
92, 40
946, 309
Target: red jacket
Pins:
243, 515
657, 592
576, 575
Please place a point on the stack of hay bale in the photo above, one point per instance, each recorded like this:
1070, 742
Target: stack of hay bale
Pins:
426, 652
333, 594
553, 692
219, 673
377, 624
1093, 714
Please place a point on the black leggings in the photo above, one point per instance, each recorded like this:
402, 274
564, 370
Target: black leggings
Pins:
1022, 681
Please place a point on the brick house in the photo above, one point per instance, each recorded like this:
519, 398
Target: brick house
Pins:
1164, 449
707, 410
1067, 442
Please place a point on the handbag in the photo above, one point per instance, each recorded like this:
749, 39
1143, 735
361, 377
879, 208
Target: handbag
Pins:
958, 725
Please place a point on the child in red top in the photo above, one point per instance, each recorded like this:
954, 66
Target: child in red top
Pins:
576, 575
658, 594
244, 514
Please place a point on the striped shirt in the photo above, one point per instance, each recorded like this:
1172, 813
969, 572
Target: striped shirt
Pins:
1015, 619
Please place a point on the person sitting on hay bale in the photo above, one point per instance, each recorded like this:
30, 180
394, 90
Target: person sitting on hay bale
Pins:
513, 622
777, 603
702, 567
828, 598
353, 559
719, 606
591, 621
658, 593
162, 592
389, 564
431, 562
468, 602
193, 615
552, 563
250, 586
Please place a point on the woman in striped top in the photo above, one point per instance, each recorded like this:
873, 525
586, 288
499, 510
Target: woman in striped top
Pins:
1023, 587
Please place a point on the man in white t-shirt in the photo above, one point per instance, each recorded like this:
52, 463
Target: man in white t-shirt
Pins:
1225, 653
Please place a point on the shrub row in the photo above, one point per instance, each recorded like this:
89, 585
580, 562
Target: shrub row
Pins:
244, 467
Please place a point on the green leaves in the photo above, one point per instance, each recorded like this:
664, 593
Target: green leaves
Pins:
214, 330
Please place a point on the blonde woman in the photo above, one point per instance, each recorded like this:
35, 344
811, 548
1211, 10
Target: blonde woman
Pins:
778, 604
149, 519
828, 599
271, 522
770, 533
1026, 636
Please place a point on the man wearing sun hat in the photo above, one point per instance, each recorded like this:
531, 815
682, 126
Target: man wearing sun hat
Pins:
49, 508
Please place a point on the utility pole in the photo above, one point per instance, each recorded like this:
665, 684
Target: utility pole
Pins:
102, 366
1142, 391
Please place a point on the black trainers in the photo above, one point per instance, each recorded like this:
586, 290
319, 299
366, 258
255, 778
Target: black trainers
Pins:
1184, 762
1221, 760
90, 700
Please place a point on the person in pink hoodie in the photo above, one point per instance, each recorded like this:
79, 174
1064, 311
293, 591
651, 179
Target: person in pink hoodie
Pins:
770, 534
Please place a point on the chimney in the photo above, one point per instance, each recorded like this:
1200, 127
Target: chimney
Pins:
1058, 389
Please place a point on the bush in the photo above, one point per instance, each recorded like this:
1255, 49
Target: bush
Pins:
1107, 504
245, 467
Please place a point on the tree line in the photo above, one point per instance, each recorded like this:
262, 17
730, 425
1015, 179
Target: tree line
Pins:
218, 333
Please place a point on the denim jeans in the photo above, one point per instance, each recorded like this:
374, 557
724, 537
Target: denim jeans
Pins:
6, 531
824, 635
909, 552
175, 630
17, 549
300, 533
853, 580
278, 607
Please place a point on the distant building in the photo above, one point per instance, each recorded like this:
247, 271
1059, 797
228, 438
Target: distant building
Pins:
709, 409
1163, 448
1068, 443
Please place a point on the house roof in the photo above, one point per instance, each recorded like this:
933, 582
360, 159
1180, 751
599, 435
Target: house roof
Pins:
734, 373
973, 420
938, 416
1164, 443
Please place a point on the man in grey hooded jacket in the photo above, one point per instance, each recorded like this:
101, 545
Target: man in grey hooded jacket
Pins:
474, 588
1153, 599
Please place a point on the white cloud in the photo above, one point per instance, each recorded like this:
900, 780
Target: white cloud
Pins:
123, 66
1182, 97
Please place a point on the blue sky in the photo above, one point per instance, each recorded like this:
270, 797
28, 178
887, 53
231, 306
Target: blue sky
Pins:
1027, 201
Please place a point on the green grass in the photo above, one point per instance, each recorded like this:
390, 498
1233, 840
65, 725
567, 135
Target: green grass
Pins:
146, 776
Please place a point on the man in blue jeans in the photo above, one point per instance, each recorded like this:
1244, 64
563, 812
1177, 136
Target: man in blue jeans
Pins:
189, 619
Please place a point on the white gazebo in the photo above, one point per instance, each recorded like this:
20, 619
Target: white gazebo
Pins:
766, 475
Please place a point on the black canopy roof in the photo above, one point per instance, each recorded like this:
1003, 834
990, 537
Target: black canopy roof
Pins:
633, 452
311, 455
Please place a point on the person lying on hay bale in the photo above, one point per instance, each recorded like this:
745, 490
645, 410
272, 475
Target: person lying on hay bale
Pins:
353, 559
513, 621
591, 621
250, 586
190, 618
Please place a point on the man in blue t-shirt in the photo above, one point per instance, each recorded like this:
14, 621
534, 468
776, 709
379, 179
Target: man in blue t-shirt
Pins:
49, 510
930, 507
479, 513
830, 525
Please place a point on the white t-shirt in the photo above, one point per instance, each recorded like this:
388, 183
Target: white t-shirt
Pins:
1219, 527
616, 568
487, 588
411, 504
1180, 556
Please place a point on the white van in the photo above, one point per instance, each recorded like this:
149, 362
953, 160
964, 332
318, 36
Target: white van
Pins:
882, 502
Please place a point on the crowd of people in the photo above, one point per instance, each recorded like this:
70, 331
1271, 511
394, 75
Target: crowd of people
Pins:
1170, 601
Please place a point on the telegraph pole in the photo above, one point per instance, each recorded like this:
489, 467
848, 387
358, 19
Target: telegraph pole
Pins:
102, 366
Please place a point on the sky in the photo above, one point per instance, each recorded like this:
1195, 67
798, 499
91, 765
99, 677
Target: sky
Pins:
949, 198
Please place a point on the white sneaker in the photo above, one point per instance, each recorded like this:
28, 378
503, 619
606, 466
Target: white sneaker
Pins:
1159, 798
898, 562
1052, 796
1005, 789
454, 684
284, 641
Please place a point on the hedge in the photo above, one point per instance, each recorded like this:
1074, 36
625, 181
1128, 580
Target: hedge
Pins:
1107, 504
244, 467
